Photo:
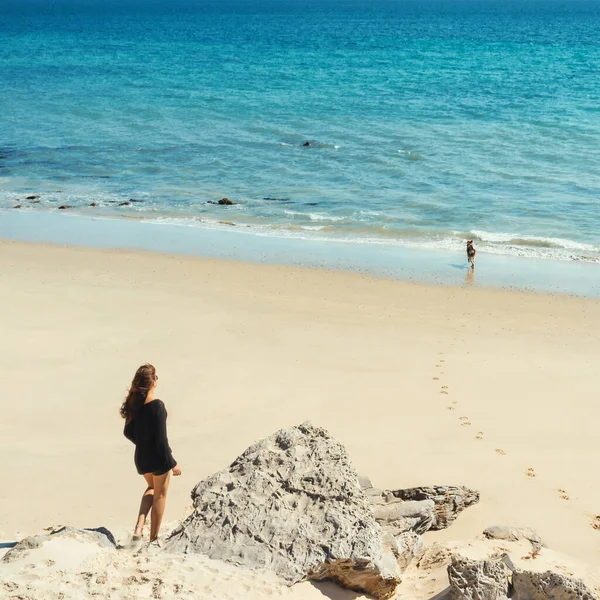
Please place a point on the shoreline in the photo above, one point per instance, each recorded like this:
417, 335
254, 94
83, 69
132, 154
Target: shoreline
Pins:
390, 262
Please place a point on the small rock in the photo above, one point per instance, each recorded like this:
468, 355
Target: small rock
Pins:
404, 547
225, 202
93, 204
449, 501
134, 200
126, 203
478, 579
548, 586
64, 206
399, 516
306, 144
17, 206
227, 223
101, 536
514, 534
32, 198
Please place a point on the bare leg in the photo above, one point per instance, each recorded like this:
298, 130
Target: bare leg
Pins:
161, 486
145, 505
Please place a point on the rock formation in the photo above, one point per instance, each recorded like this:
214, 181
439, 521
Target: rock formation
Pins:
419, 509
100, 536
292, 504
449, 501
500, 580
514, 534
478, 579
548, 586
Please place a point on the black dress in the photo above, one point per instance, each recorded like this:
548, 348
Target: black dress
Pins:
148, 431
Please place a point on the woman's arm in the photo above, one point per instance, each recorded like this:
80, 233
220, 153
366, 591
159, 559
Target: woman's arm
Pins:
162, 441
129, 431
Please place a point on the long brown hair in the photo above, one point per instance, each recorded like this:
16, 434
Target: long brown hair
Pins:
143, 379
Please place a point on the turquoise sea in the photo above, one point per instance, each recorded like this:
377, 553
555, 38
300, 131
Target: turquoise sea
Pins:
429, 121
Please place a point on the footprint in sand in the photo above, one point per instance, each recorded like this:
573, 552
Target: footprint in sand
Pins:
562, 494
436, 378
463, 418
450, 407
479, 435
500, 452
443, 392
596, 522
530, 472
441, 361
437, 366
466, 423
444, 387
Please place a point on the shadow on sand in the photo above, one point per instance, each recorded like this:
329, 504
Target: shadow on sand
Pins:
334, 592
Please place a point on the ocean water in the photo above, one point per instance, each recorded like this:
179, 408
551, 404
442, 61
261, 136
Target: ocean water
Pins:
429, 121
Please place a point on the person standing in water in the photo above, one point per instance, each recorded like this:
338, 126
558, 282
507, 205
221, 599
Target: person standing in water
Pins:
146, 426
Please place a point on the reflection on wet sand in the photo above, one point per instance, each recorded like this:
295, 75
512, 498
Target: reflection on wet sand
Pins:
470, 277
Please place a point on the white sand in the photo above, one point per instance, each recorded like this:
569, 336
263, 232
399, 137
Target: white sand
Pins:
243, 350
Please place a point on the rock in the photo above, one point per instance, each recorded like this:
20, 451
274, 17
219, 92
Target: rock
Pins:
291, 503
134, 200
223, 202
398, 516
64, 206
31, 197
126, 203
449, 501
549, 586
227, 223
514, 534
478, 579
17, 206
100, 536
93, 204
306, 144
404, 547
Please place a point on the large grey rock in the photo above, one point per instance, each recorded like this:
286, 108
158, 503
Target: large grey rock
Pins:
549, 586
292, 504
100, 536
449, 501
514, 534
478, 579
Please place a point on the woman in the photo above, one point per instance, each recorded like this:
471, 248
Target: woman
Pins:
146, 426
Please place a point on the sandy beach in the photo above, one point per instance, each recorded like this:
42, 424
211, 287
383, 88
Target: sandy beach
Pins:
492, 389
